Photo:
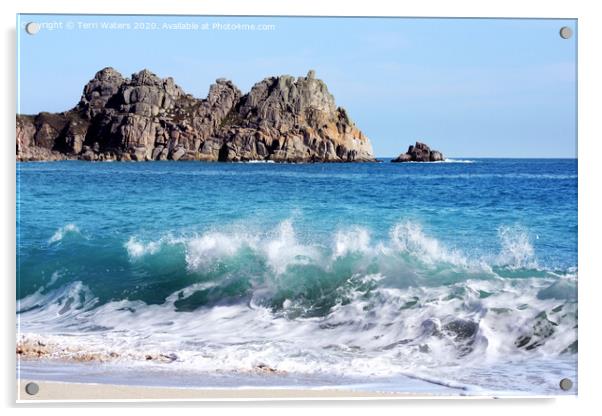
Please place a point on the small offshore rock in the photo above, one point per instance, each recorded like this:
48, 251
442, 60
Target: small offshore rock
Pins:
419, 152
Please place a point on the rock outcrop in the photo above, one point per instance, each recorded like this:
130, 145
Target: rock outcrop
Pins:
282, 119
419, 152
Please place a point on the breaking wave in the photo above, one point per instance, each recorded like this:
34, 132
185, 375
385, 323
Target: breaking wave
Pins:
355, 305
281, 249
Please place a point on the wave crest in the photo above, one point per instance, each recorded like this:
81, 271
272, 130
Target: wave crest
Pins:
409, 237
281, 248
137, 249
62, 232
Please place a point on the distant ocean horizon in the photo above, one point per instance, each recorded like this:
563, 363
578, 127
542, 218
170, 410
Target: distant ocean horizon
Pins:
456, 276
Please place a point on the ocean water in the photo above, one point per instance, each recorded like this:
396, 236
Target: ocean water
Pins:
461, 274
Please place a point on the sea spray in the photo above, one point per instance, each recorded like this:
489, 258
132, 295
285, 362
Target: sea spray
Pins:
517, 251
62, 232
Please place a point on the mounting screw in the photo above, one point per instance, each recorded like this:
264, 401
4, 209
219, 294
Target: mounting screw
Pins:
32, 28
566, 32
566, 384
32, 388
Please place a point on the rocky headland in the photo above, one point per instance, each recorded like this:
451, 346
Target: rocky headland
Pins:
419, 152
282, 119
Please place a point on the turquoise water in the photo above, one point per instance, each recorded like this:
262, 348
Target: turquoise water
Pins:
367, 270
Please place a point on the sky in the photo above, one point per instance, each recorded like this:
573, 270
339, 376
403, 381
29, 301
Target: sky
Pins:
467, 87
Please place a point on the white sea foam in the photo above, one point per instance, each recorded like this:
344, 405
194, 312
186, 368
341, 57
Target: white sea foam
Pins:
395, 331
137, 249
283, 249
62, 232
53, 278
57, 305
203, 250
409, 237
355, 240
280, 248
258, 161
450, 160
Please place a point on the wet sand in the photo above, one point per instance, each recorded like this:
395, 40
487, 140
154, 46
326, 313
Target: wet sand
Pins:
51, 391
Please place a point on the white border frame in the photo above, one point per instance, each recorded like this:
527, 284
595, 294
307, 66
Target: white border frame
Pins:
589, 87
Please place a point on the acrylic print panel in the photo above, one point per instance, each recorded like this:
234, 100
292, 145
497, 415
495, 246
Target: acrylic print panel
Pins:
181, 234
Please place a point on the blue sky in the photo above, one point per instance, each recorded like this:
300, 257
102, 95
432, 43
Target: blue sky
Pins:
468, 87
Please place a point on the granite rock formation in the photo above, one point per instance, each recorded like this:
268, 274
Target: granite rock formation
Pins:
419, 152
144, 117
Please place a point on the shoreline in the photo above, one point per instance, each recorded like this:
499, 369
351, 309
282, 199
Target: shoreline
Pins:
70, 391
111, 381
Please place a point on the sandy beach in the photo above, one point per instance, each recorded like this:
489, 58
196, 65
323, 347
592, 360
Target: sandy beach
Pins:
59, 391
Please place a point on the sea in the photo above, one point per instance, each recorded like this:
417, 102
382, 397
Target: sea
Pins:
458, 277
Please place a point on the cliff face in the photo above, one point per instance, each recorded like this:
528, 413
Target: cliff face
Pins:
282, 118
